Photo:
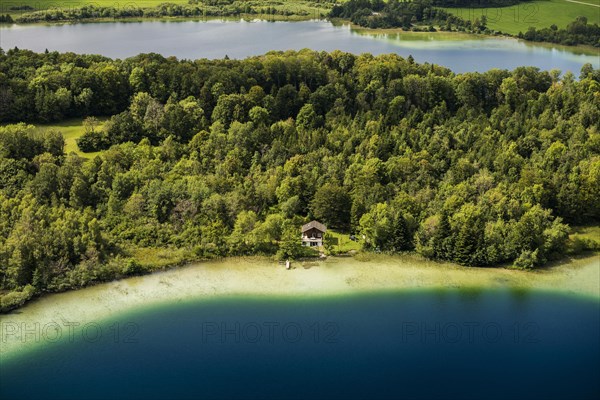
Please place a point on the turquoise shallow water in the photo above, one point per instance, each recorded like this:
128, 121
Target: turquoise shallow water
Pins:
426, 344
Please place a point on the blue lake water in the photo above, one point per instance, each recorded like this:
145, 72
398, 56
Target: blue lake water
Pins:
240, 39
421, 344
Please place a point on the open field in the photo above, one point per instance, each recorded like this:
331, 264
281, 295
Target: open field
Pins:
71, 130
152, 259
586, 232
304, 8
344, 244
39, 5
540, 14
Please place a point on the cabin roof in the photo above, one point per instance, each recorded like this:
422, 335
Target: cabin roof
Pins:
314, 224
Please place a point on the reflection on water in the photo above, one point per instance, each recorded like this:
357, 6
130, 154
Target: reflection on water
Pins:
239, 39
442, 343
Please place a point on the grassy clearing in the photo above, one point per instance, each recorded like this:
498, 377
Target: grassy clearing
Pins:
586, 232
344, 244
584, 239
539, 14
151, 258
71, 130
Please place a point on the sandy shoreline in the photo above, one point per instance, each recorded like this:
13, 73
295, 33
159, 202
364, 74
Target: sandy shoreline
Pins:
262, 277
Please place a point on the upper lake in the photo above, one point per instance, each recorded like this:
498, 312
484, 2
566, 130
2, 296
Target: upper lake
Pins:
240, 39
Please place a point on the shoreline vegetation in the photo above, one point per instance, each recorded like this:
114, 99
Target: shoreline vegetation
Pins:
151, 262
456, 35
416, 16
335, 276
259, 276
206, 159
424, 15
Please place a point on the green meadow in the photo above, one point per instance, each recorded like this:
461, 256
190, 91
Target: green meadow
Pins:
38, 5
539, 14
294, 7
342, 243
586, 232
71, 130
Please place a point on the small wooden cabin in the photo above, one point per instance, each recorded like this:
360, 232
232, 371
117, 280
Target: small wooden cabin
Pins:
312, 234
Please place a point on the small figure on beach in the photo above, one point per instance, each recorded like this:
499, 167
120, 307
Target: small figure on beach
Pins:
288, 265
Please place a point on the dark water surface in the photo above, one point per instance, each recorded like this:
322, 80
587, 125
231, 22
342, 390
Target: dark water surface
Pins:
240, 39
429, 344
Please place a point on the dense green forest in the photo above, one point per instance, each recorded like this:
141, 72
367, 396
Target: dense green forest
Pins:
211, 158
577, 32
376, 14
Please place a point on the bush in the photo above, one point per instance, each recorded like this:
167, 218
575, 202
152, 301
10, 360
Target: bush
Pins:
7, 19
82, 275
579, 245
527, 260
132, 267
93, 141
15, 299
